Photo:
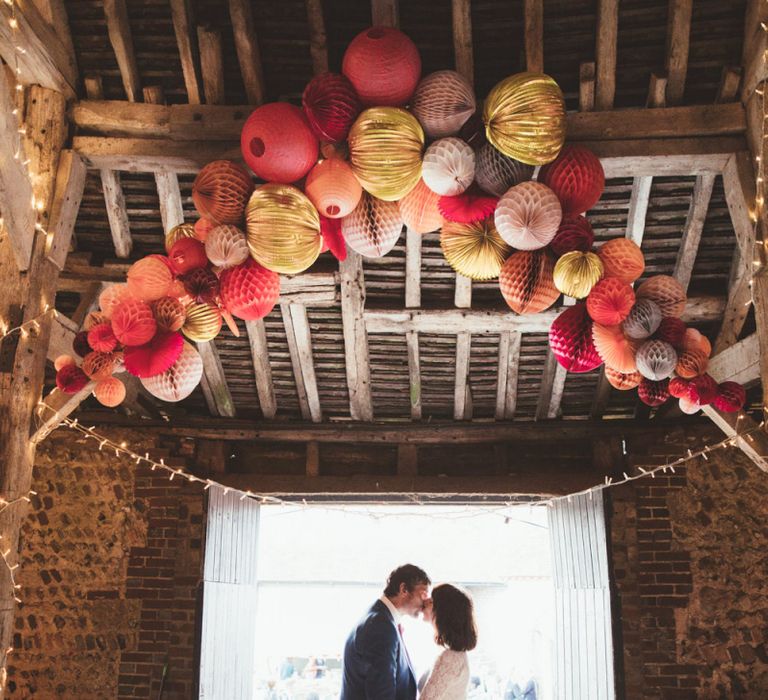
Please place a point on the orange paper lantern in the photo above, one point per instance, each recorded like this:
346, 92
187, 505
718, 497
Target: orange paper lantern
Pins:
109, 392
668, 294
526, 281
221, 191
333, 188
622, 259
621, 380
616, 350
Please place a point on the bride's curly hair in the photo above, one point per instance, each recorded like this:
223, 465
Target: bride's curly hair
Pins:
454, 618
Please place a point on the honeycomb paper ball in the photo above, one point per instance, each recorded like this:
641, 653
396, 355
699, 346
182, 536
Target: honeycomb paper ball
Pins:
622, 259
226, 246
80, 344
730, 398
186, 255
694, 340
576, 273
703, 390
109, 392
526, 281
496, 173
101, 337
449, 166
202, 285
221, 190
570, 338
133, 322
94, 318
203, 322
643, 320
63, 361
656, 360
333, 188
691, 363
277, 144
99, 365
679, 387
666, 292
385, 149
149, 279
178, 232
180, 380
70, 379
420, 209
528, 216
203, 227
614, 348
383, 65
576, 176
333, 239
621, 380
524, 118
443, 101
574, 233
467, 207
653, 393
112, 297
672, 330
169, 314
373, 228
610, 301
330, 105
249, 291
156, 356
283, 229
474, 250
689, 407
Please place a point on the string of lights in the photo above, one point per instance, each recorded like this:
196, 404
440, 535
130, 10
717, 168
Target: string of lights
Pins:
28, 326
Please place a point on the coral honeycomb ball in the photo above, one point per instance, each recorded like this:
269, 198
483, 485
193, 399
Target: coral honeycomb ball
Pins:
249, 291
576, 177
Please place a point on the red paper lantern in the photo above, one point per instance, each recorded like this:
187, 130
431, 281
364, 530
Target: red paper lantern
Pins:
333, 188
679, 387
277, 143
169, 314
70, 379
154, 357
610, 301
672, 330
622, 259
109, 392
249, 291
623, 381
186, 255
333, 239
617, 351
331, 105
133, 322
202, 228
730, 398
668, 294
221, 191
202, 285
577, 178
467, 207
149, 278
570, 338
101, 337
383, 65
80, 344
653, 393
703, 390
526, 281
574, 233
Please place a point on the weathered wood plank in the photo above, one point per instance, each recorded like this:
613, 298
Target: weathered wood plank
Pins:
262, 369
318, 44
119, 28
461, 378
407, 460
58, 406
304, 347
733, 424
534, 35
181, 11
293, 351
694, 226
638, 208
247, 47
214, 384
70, 185
385, 13
737, 306
414, 374
587, 86
211, 64
506, 384
605, 53
738, 363
678, 41
461, 14
117, 213
412, 268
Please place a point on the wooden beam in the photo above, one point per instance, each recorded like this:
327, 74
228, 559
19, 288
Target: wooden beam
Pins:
214, 383
116, 212
414, 374
534, 35
318, 43
304, 346
412, 269
506, 384
754, 47
293, 351
89, 301
730, 79
587, 86
70, 185
694, 226
385, 13
262, 369
57, 406
119, 28
546, 386
738, 304
605, 53
638, 208
461, 14
54, 13
738, 363
313, 459
211, 64
755, 446
678, 41
61, 335
657, 91
407, 460
248, 54
181, 11
461, 378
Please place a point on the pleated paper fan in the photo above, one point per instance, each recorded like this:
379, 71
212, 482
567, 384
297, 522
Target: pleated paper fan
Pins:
656, 360
653, 393
468, 207
474, 250
616, 350
158, 355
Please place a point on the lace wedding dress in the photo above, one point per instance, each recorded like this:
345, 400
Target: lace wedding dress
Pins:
449, 678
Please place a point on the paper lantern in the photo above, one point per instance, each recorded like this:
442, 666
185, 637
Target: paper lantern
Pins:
383, 65
373, 228
179, 381
643, 320
666, 292
574, 233
730, 398
133, 322
420, 209
443, 101
672, 330
333, 239
221, 190
169, 314
570, 338
177, 291
283, 229
203, 227
524, 118
178, 232
201, 285
610, 301
94, 318
689, 407
576, 176
277, 143
576, 273
226, 246
99, 365
496, 173
112, 297
694, 340
474, 250
449, 166
186, 255
614, 348
70, 379
653, 393
156, 356
80, 344
109, 392
691, 363
679, 387
528, 216
385, 148
249, 291
63, 361
656, 360
526, 281
149, 278
703, 390
333, 188
330, 106
623, 381
101, 337
203, 322
622, 259
473, 131
468, 207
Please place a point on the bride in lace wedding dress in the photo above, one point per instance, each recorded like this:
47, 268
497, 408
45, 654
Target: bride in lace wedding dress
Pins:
451, 614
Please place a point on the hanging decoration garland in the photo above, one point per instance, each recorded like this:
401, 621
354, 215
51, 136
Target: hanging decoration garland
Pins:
400, 148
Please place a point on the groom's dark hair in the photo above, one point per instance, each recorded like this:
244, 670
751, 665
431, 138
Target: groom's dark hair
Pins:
408, 574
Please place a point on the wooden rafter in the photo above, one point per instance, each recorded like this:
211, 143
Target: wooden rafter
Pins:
534, 35
70, 185
318, 45
303, 348
118, 26
211, 63
385, 13
507, 374
414, 374
587, 86
605, 53
214, 382
257, 339
678, 41
117, 213
693, 228
181, 11
293, 352
462, 39
247, 47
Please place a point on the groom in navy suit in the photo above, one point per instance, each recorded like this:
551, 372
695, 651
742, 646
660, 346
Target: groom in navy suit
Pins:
376, 661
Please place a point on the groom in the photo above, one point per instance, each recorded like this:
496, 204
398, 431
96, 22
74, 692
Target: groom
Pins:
376, 662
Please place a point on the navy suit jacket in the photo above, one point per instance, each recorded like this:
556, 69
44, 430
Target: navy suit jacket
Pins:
375, 661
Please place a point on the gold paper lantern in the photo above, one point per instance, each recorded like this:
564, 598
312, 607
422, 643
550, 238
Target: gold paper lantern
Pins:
577, 272
524, 118
283, 229
474, 250
203, 322
385, 149
177, 233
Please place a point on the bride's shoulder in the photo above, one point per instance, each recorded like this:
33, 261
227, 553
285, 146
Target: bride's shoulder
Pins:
456, 658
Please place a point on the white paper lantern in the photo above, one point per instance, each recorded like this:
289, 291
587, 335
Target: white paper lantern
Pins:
528, 216
449, 166
180, 380
643, 320
226, 246
656, 360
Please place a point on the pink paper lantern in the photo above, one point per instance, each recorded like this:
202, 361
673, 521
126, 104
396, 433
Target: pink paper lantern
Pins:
610, 301
186, 255
331, 105
574, 233
101, 337
570, 338
154, 357
133, 322
70, 379
576, 176
420, 209
249, 291
617, 351
528, 215
333, 188
730, 398
180, 380
109, 392
653, 393
373, 228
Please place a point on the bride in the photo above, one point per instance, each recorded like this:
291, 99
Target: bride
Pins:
450, 611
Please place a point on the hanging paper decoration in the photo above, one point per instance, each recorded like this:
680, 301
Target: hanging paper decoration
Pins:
156, 356
621, 380
101, 337
653, 393
70, 379
133, 322
574, 233
526, 281
672, 330
449, 166
474, 250
109, 392
226, 246
524, 118
99, 365
694, 340
656, 359
178, 232
169, 314
443, 101
186, 255
63, 361
576, 273
330, 106
202, 285
679, 388
202, 228
80, 344
249, 291
643, 320
688, 407
703, 390
203, 322
528, 216
383, 65
373, 228
420, 209
667, 293
468, 207
614, 348
496, 173
622, 259
333, 188
570, 338
283, 229
691, 363
730, 398
610, 301
221, 190
333, 239
180, 380
576, 176
385, 149
149, 279
94, 318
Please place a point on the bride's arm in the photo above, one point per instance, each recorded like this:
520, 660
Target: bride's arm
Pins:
445, 673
